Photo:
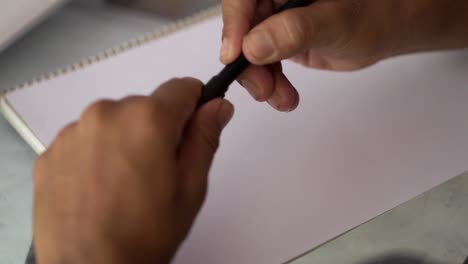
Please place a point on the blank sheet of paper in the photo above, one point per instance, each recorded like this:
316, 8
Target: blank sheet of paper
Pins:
360, 143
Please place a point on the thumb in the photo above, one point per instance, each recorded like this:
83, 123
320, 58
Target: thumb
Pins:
198, 148
320, 25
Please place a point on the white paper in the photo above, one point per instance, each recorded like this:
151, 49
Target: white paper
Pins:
360, 144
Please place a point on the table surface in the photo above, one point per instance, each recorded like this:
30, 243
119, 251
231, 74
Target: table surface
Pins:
432, 228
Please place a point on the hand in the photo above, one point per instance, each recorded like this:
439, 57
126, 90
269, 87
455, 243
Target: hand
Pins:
125, 183
333, 35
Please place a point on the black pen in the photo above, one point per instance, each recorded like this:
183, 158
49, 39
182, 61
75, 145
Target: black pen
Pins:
219, 84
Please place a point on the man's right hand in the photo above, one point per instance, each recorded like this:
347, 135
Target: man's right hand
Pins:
337, 35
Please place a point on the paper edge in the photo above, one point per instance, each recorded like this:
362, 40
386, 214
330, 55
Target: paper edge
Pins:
17, 122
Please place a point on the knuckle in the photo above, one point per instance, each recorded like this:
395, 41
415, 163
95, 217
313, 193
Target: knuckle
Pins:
61, 140
193, 86
132, 99
192, 82
172, 81
65, 131
95, 118
98, 111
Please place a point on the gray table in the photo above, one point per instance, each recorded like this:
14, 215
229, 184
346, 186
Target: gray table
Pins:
433, 228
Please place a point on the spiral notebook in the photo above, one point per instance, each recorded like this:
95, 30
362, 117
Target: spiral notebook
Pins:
282, 184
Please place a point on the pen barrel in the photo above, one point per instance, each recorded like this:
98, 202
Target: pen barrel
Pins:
218, 85
294, 4
232, 71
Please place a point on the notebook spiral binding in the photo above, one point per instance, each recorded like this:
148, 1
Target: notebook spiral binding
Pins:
130, 44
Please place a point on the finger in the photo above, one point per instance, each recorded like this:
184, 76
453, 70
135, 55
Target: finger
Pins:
238, 16
320, 25
259, 82
177, 100
285, 97
198, 148
98, 112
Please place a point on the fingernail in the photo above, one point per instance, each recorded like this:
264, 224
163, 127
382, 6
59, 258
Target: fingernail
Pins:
275, 101
253, 89
295, 104
225, 51
225, 113
260, 44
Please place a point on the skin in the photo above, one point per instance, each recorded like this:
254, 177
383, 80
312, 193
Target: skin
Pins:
339, 35
125, 182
